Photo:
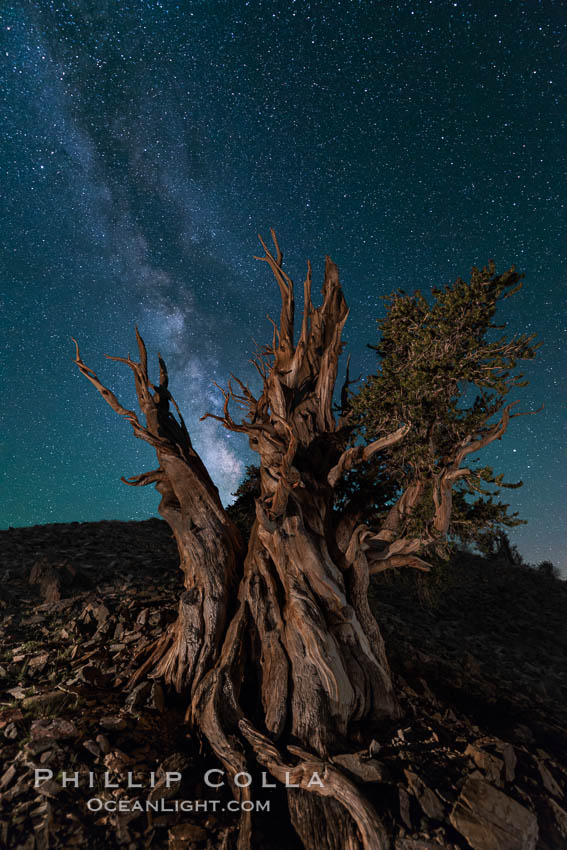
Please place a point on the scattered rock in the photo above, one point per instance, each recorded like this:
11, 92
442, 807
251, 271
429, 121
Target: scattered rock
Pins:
374, 748
67, 643
138, 696
560, 818
405, 807
103, 743
38, 662
490, 820
118, 761
100, 613
93, 748
510, 762
491, 766
114, 723
56, 728
7, 777
50, 699
523, 734
157, 697
49, 788
91, 675
549, 782
180, 835
35, 748
366, 769
53, 580
17, 692
427, 799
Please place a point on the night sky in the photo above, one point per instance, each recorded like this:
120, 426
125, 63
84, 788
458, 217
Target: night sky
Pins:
145, 144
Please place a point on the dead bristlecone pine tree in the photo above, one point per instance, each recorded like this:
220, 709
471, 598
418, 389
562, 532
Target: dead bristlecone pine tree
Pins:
275, 648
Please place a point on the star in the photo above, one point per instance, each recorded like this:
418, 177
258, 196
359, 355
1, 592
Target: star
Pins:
145, 149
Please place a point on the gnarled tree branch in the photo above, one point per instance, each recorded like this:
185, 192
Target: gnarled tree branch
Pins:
358, 454
209, 545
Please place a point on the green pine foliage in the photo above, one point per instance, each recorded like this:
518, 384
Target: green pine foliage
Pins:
446, 367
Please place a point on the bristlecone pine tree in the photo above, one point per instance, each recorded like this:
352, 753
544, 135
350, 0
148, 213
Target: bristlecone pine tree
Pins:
445, 367
276, 649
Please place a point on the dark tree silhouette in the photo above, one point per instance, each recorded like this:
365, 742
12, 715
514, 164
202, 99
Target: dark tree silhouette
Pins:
276, 648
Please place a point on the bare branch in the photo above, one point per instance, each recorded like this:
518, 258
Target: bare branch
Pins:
276, 335
307, 310
163, 376
345, 413
285, 284
227, 420
357, 454
494, 432
380, 566
162, 431
143, 353
107, 394
145, 478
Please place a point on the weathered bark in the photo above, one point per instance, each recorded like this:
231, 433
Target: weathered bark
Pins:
301, 636
304, 591
277, 652
392, 545
209, 544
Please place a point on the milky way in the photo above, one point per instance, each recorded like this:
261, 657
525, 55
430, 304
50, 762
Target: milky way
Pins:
147, 143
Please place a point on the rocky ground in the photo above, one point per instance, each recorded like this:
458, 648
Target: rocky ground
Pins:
478, 760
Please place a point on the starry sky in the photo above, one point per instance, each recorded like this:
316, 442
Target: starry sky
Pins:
145, 145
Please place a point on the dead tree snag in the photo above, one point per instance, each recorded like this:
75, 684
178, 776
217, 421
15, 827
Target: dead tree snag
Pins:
280, 657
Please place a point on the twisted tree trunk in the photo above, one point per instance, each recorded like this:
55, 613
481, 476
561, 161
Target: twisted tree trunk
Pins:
324, 678
210, 548
301, 636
